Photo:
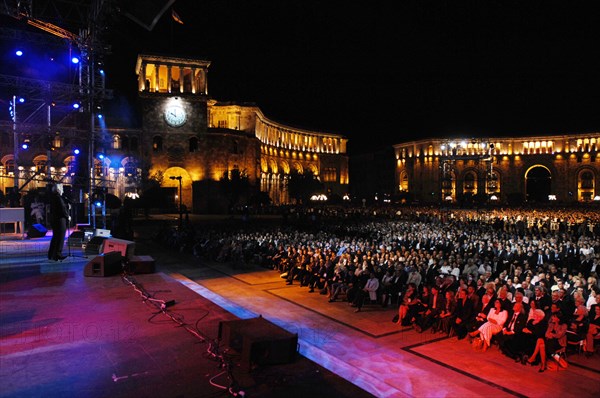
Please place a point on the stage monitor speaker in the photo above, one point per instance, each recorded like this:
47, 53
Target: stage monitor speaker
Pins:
36, 231
76, 239
141, 265
105, 264
125, 247
94, 246
259, 342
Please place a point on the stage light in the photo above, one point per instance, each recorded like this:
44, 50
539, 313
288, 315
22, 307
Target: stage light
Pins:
101, 71
26, 143
100, 116
100, 156
19, 53
75, 60
76, 151
76, 105
21, 100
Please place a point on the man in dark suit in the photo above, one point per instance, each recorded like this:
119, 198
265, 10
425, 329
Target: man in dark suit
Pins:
59, 218
464, 314
514, 326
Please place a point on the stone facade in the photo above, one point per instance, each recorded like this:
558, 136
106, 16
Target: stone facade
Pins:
562, 168
183, 134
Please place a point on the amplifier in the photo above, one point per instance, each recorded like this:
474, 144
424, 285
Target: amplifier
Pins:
141, 265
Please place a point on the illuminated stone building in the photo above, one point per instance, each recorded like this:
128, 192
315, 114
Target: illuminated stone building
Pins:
186, 138
536, 169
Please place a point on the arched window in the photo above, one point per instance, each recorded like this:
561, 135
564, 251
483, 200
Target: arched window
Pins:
403, 181
157, 143
587, 180
586, 186
470, 182
116, 141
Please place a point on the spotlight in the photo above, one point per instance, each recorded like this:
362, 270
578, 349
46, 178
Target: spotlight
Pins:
75, 60
76, 151
19, 53
100, 116
26, 143
21, 100
100, 156
101, 71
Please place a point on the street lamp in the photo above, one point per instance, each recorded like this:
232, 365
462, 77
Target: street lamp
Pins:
180, 193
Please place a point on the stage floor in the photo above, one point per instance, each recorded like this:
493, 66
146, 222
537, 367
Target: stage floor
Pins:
64, 334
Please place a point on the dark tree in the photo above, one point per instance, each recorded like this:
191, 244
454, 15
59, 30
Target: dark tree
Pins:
303, 186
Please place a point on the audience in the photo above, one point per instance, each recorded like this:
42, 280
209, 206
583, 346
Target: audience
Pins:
452, 270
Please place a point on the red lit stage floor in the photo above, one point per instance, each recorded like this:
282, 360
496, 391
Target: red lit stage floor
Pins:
63, 334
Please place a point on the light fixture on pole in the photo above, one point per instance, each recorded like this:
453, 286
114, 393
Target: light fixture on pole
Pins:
180, 206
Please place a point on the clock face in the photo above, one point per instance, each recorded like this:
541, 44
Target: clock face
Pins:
175, 116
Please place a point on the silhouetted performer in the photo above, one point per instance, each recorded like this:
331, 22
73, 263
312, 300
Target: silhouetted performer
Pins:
59, 217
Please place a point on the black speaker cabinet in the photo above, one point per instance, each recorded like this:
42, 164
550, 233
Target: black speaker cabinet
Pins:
76, 239
36, 231
105, 264
259, 342
141, 265
95, 245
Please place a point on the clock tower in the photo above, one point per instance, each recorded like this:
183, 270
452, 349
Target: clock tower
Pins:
173, 97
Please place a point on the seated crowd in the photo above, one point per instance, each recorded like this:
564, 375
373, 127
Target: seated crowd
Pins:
526, 280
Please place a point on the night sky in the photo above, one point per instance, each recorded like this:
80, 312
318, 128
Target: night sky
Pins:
384, 72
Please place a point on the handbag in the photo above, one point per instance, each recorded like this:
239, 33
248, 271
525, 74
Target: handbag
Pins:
477, 344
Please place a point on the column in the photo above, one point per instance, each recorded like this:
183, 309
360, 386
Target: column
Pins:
181, 79
194, 82
156, 78
169, 85
142, 78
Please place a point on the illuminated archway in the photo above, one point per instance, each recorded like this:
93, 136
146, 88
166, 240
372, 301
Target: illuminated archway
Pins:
538, 180
186, 184
586, 186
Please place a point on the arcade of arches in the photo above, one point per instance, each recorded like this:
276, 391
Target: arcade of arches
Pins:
501, 170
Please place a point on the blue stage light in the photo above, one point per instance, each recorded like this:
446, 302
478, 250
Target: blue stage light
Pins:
76, 151
75, 60
76, 105
100, 156
98, 203
100, 116
18, 53
21, 99
101, 71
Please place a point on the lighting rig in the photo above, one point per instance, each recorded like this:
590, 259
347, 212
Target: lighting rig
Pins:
90, 90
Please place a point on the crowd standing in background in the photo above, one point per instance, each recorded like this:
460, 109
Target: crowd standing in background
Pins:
525, 279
